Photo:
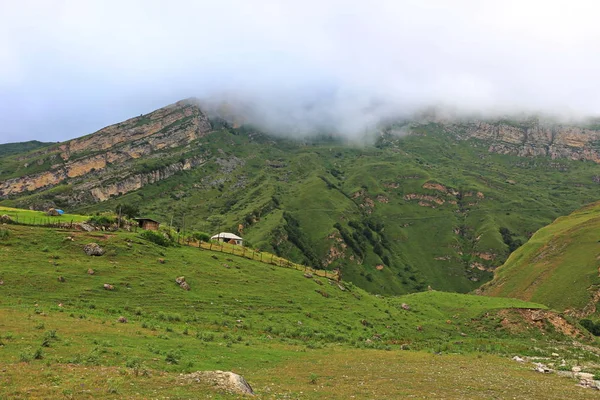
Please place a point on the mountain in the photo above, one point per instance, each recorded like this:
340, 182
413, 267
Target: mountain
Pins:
558, 266
437, 203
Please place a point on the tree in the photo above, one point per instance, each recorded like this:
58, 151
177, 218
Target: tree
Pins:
128, 210
201, 236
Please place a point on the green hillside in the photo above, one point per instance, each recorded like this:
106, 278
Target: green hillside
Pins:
397, 216
7, 149
558, 266
289, 335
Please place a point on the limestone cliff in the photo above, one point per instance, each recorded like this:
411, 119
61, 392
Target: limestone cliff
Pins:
110, 152
532, 139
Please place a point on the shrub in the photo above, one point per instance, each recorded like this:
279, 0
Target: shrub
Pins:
201, 236
156, 238
4, 234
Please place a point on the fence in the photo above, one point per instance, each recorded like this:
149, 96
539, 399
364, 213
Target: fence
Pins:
264, 257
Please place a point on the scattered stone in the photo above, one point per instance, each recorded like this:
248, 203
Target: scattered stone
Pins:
70, 238
518, 359
541, 368
318, 282
555, 355
405, 307
308, 275
161, 260
576, 369
84, 227
1, 282
342, 288
91, 271
419, 328
61, 279
215, 257
182, 283
108, 286
122, 319
223, 380
60, 305
5, 219
226, 266
93, 249
322, 293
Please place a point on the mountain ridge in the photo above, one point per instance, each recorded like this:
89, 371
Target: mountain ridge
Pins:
406, 212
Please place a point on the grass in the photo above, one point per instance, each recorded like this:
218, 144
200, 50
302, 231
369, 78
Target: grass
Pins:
30, 217
65, 338
558, 266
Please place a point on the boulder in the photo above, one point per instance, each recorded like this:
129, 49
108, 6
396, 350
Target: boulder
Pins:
223, 380
52, 213
82, 226
91, 271
182, 283
108, 287
61, 279
405, 307
308, 275
122, 320
93, 249
5, 219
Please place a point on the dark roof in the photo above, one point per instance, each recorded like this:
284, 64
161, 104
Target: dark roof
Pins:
146, 219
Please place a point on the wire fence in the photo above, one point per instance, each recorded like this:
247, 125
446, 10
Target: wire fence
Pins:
264, 257
51, 222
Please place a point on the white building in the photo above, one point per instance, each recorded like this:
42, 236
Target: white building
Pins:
228, 238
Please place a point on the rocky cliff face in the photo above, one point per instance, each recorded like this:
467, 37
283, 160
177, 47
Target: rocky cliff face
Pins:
110, 153
533, 139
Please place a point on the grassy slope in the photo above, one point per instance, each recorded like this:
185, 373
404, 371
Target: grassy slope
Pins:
315, 182
557, 266
8, 149
268, 323
31, 217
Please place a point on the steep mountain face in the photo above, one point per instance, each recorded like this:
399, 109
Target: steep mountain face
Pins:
110, 154
559, 266
530, 139
442, 206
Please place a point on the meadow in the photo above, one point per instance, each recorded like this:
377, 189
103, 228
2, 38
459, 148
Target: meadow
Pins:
63, 335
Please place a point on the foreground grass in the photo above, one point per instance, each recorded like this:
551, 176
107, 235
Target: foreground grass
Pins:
315, 374
290, 336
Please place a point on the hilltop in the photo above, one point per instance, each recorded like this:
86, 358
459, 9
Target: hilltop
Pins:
558, 266
428, 203
64, 334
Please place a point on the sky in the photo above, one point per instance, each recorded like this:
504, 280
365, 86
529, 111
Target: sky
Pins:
69, 68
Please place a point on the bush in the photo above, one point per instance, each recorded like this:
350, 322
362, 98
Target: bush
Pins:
157, 238
201, 236
4, 234
593, 328
101, 220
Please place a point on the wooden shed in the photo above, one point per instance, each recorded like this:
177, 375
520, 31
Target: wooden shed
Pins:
148, 224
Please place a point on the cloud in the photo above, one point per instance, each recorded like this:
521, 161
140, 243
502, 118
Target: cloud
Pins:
70, 67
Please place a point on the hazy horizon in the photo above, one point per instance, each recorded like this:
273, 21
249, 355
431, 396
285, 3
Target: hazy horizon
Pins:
69, 68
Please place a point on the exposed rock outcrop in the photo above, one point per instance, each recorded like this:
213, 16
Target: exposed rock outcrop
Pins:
532, 138
223, 380
169, 127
